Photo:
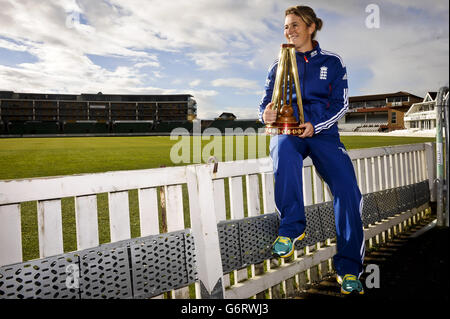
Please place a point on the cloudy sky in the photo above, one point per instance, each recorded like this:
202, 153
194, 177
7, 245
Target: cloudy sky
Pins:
218, 51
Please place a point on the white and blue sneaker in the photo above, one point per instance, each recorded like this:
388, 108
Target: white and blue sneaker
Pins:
284, 246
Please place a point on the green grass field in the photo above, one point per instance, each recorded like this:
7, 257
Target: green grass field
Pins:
36, 157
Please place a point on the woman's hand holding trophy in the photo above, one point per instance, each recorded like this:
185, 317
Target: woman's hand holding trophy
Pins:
269, 115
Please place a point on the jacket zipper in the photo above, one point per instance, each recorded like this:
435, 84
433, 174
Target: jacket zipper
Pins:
304, 76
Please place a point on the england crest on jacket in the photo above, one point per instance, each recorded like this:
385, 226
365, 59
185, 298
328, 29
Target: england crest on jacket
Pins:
323, 73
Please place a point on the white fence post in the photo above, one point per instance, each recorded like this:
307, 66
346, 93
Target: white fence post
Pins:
148, 211
86, 221
204, 229
119, 216
50, 228
10, 234
268, 193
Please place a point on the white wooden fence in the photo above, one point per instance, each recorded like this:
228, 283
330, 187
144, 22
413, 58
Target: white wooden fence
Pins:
231, 191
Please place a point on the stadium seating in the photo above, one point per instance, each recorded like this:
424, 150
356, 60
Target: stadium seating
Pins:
348, 127
361, 127
95, 113
123, 111
17, 111
146, 111
46, 111
73, 111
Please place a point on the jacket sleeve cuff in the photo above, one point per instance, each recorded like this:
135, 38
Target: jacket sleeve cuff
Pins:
314, 124
261, 120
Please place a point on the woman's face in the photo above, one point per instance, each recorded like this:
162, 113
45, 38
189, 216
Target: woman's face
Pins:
298, 33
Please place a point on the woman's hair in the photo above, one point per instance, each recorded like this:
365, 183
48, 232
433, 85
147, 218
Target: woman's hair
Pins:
308, 16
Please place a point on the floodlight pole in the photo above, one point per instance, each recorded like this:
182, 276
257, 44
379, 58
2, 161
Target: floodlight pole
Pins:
447, 155
439, 157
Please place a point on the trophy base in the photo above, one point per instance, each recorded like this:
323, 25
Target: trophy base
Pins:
284, 129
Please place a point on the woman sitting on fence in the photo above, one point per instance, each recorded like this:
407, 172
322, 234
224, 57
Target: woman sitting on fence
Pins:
324, 90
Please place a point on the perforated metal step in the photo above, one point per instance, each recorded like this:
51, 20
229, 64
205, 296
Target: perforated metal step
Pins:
134, 268
247, 241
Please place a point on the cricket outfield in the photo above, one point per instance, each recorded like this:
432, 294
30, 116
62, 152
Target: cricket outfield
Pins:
38, 157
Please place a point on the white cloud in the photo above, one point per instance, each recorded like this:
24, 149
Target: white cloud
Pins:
242, 112
401, 55
201, 24
236, 83
157, 74
154, 64
122, 29
12, 46
195, 82
70, 6
223, 44
210, 60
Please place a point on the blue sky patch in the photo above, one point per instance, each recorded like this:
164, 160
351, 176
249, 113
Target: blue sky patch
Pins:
14, 58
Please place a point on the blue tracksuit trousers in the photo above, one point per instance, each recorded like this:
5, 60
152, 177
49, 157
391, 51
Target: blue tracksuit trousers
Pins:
334, 165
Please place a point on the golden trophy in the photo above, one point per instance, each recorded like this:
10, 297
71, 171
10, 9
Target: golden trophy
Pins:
286, 81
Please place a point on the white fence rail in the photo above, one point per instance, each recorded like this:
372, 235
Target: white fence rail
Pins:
170, 198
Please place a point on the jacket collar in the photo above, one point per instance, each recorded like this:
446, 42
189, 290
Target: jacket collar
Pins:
310, 54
